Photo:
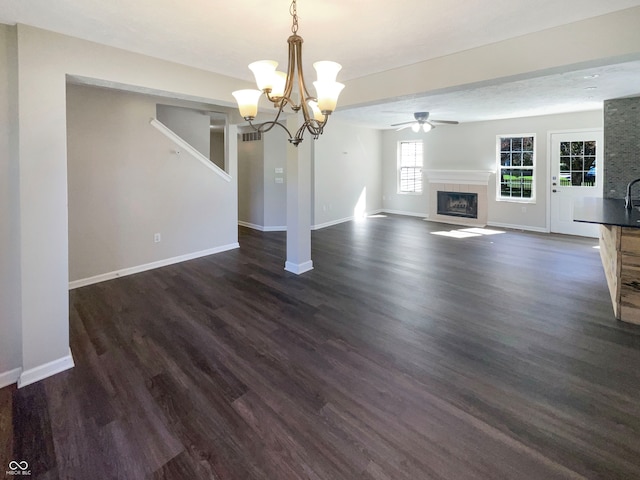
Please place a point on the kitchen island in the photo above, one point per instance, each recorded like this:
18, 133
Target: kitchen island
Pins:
619, 251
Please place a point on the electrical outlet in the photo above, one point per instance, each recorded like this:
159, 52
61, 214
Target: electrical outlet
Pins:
157, 238
524, 209
279, 180
279, 170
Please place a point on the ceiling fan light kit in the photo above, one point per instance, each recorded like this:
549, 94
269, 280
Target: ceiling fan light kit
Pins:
278, 87
422, 122
426, 126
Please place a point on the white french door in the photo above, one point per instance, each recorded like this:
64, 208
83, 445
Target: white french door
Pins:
576, 172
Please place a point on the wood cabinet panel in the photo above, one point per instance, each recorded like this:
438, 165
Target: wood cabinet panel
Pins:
620, 254
611, 262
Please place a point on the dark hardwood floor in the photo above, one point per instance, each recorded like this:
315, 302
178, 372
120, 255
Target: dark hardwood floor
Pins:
402, 355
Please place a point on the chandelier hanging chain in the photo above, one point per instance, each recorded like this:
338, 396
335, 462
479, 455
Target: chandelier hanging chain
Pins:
294, 14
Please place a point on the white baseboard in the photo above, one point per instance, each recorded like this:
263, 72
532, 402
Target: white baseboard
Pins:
342, 220
277, 228
10, 377
459, 223
283, 228
298, 268
518, 227
261, 228
401, 212
331, 223
149, 266
41, 372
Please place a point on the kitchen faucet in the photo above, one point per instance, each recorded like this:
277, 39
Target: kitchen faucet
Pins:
628, 204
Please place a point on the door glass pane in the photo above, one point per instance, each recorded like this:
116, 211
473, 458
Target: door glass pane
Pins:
577, 164
590, 174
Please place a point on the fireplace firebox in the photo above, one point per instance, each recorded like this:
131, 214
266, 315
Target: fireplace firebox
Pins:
458, 204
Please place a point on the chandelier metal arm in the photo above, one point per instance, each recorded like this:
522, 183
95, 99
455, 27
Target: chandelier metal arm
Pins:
314, 127
267, 126
295, 44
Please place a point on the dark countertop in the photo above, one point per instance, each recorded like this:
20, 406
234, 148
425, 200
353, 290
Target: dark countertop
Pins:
606, 211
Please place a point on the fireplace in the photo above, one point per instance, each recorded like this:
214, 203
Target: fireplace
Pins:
458, 204
470, 204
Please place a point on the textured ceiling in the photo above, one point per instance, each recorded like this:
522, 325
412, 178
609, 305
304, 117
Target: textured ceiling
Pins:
574, 91
365, 37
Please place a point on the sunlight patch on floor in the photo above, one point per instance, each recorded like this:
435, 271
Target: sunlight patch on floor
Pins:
482, 231
456, 234
468, 232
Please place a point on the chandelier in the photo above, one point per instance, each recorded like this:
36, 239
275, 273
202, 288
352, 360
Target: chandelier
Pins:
279, 87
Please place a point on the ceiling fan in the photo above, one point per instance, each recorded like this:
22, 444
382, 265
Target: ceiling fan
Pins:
421, 121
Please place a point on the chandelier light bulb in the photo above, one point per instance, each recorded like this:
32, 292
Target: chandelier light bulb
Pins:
426, 127
317, 113
328, 93
279, 82
265, 73
415, 127
327, 71
247, 102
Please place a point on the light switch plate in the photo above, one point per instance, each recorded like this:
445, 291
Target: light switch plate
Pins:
279, 180
279, 170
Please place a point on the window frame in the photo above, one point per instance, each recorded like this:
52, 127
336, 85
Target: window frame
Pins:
400, 166
499, 168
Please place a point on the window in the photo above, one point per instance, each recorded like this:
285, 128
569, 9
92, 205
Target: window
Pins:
410, 167
516, 167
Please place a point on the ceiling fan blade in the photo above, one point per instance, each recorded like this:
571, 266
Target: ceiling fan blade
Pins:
403, 123
402, 128
447, 122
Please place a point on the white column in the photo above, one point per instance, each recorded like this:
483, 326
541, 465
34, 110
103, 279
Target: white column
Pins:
298, 202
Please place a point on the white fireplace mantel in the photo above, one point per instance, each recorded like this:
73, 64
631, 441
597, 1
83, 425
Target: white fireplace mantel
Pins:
460, 177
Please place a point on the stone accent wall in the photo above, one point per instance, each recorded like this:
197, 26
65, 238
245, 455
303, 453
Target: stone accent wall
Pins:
621, 146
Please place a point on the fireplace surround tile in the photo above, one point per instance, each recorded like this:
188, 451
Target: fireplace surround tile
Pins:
459, 181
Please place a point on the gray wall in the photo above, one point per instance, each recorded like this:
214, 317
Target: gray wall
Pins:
251, 182
45, 59
346, 176
126, 184
472, 146
275, 194
347, 173
10, 348
262, 202
622, 146
216, 148
189, 124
